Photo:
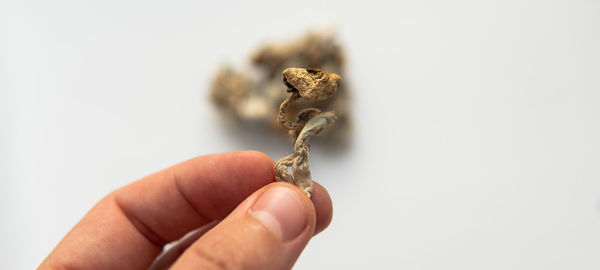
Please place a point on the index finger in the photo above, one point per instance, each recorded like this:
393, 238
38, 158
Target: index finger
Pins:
129, 227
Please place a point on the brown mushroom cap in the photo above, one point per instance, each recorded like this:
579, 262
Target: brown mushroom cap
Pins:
312, 84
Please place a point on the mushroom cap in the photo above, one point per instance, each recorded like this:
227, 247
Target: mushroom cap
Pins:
312, 83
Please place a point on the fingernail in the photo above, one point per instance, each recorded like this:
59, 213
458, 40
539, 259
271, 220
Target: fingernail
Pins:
282, 211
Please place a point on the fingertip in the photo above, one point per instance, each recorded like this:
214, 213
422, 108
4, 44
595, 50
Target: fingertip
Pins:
255, 155
320, 205
285, 210
323, 207
259, 162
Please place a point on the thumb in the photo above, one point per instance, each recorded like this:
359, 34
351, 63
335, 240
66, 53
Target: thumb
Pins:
268, 230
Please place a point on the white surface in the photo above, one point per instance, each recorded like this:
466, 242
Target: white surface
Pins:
477, 140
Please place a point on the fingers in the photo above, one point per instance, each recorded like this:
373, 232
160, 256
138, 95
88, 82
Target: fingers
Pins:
128, 228
268, 230
323, 210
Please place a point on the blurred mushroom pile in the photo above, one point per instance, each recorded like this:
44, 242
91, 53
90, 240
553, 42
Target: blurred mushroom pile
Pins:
255, 98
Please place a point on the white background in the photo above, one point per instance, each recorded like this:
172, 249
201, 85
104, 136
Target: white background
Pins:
477, 124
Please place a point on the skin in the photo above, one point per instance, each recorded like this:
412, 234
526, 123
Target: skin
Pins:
214, 195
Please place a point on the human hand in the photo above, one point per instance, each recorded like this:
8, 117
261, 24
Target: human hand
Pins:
263, 224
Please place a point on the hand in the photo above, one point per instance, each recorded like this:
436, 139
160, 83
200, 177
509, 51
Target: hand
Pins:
263, 225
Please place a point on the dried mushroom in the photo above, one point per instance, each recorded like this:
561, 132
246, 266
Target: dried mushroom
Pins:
256, 98
310, 84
